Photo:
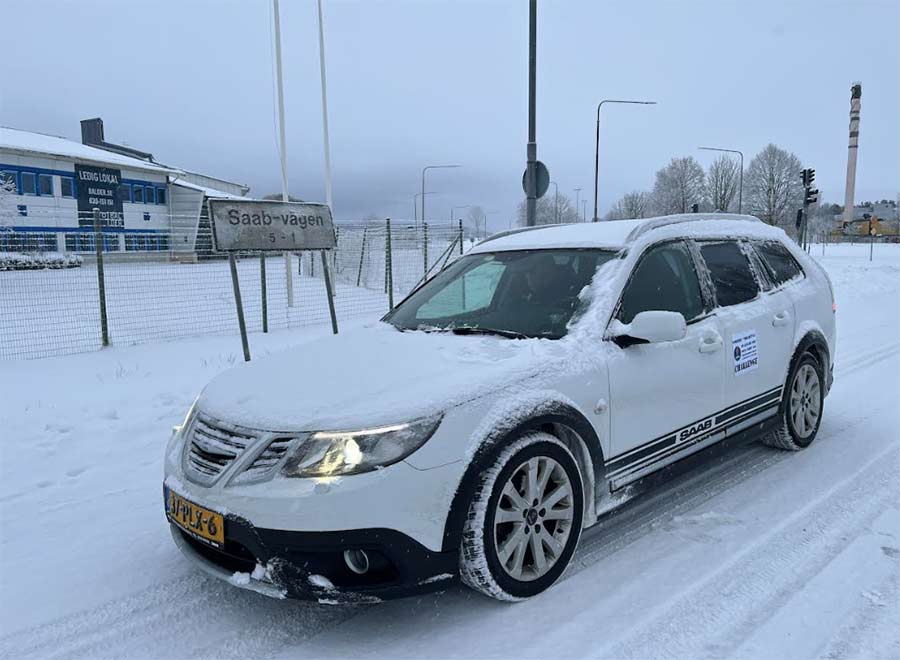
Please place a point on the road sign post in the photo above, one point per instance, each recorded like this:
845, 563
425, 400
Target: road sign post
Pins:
271, 226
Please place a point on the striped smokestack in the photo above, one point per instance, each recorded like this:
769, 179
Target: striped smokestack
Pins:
852, 149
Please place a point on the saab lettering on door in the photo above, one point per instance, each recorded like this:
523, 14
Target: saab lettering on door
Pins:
744, 352
693, 430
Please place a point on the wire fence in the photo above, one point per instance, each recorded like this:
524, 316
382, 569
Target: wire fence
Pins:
168, 284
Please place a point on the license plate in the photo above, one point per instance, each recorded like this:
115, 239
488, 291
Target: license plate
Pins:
201, 523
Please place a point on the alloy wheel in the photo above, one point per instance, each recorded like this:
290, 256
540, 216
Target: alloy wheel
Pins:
805, 401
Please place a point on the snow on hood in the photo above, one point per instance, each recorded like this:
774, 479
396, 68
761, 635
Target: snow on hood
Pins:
371, 375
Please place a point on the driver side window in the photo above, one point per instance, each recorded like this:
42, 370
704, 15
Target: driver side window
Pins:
663, 280
471, 292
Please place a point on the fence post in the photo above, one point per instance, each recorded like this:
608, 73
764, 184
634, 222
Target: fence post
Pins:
262, 288
362, 254
425, 246
101, 284
389, 265
460, 237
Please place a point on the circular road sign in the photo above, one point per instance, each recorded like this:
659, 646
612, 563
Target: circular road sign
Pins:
543, 179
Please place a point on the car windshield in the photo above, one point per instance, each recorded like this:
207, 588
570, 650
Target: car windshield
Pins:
530, 293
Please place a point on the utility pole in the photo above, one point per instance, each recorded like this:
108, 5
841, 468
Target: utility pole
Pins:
283, 147
556, 202
531, 166
577, 202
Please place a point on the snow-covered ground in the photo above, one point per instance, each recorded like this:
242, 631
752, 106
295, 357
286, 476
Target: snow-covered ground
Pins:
757, 554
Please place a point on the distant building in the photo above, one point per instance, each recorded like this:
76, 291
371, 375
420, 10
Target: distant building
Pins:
145, 206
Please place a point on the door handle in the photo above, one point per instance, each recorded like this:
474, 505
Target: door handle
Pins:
781, 318
710, 343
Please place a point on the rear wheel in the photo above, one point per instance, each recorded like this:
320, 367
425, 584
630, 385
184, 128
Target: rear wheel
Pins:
801, 406
524, 519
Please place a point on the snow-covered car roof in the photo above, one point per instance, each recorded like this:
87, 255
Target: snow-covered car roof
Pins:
616, 234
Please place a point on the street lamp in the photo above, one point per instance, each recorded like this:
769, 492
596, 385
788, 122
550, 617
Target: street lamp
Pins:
741, 183
416, 204
425, 169
556, 215
584, 210
597, 144
577, 195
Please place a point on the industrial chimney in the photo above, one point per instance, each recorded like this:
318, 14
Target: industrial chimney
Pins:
853, 148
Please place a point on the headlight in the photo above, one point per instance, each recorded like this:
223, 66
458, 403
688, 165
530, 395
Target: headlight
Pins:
331, 453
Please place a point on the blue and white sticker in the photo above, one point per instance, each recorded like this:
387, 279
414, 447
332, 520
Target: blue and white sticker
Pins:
744, 352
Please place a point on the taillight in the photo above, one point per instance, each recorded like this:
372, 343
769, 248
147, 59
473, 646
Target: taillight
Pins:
834, 307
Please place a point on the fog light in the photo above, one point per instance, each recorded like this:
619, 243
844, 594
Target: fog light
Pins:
357, 561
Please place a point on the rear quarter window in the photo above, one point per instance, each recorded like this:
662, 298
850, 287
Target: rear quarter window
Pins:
730, 271
778, 262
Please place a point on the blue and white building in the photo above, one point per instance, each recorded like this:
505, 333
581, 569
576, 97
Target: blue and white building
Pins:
52, 183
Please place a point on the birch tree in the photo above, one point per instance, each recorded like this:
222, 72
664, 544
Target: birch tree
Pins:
679, 185
722, 181
632, 205
773, 190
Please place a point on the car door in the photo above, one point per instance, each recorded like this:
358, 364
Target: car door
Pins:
662, 395
757, 328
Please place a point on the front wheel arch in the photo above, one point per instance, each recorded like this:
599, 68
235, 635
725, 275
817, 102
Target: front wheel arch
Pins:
565, 423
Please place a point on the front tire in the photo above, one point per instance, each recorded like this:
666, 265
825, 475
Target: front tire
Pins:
524, 519
801, 406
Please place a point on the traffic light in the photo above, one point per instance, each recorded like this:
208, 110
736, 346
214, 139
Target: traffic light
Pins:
799, 218
811, 197
811, 177
804, 174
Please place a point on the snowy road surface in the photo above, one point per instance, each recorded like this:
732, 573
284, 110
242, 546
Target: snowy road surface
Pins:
757, 554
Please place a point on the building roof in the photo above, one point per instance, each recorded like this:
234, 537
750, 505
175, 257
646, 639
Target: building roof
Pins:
28, 142
616, 234
209, 192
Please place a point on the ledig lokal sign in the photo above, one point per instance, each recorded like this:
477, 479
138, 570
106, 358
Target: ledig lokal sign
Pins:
271, 225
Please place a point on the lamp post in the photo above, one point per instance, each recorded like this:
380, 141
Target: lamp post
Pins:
597, 144
741, 180
577, 195
425, 169
556, 202
416, 205
584, 210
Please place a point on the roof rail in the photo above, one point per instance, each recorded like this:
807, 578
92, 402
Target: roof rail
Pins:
517, 230
666, 220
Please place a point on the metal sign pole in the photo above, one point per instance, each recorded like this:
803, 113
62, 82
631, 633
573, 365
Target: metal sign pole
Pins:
327, 276
239, 305
262, 287
101, 282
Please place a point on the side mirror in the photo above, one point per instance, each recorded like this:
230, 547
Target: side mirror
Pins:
651, 327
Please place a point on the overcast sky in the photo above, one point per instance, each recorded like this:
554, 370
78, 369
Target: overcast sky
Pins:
416, 83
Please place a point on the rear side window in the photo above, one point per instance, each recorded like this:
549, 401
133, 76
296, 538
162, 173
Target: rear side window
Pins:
664, 280
778, 261
730, 271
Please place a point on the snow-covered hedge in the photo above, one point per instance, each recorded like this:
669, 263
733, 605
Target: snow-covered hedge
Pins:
37, 260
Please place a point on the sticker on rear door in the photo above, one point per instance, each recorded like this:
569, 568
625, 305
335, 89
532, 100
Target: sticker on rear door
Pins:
744, 352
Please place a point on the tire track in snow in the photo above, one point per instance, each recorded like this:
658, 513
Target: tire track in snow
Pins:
749, 588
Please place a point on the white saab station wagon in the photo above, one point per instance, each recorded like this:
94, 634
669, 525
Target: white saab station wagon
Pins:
501, 408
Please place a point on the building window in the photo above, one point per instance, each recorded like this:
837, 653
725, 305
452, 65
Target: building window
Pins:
125, 192
148, 195
146, 217
29, 185
138, 194
66, 186
160, 195
45, 185
22, 209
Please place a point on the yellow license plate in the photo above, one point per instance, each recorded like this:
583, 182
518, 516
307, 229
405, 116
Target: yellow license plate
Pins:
199, 522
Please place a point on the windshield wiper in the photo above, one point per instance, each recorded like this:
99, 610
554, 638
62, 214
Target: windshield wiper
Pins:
468, 330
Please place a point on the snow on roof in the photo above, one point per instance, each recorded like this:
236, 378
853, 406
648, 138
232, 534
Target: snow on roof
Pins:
209, 192
619, 233
51, 145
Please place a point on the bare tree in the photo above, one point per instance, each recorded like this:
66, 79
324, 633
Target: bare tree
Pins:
478, 220
679, 185
774, 190
547, 212
632, 205
722, 183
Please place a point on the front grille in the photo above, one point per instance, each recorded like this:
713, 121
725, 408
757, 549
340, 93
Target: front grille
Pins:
267, 460
213, 447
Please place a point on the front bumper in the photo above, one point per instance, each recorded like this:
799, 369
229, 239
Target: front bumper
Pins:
310, 565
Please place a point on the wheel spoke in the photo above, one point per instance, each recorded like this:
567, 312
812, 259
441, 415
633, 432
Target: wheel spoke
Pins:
810, 418
564, 513
510, 491
544, 478
508, 516
516, 537
531, 489
563, 490
799, 424
553, 544
537, 551
518, 557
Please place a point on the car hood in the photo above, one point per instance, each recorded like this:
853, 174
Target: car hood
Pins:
371, 375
